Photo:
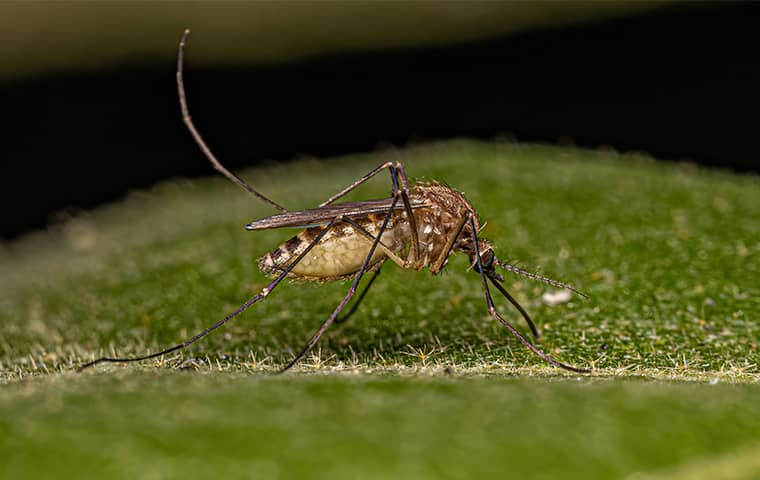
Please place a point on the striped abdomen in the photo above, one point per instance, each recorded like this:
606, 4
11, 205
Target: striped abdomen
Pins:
339, 254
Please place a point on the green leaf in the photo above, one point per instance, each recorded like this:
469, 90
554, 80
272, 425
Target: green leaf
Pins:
421, 382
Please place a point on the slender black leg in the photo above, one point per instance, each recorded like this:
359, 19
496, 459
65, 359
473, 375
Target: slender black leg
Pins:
519, 307
497, 315
262, 294
375, 171
351, 291
414, 250
359, 298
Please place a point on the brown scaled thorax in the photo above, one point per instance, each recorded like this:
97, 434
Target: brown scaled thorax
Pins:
342, 250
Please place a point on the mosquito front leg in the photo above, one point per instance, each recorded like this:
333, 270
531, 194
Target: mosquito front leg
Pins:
351, 291
414, 250
519, 307
492, 308
438, 264
261, 295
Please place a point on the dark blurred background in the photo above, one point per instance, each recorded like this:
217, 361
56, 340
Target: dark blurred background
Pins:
678, 81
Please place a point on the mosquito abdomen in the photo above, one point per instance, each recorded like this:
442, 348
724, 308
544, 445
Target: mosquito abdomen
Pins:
340, 254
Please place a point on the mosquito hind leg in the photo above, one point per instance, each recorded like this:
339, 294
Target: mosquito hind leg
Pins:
351, 291
197, 136
492, 309
261, 295
364, 178
359, 299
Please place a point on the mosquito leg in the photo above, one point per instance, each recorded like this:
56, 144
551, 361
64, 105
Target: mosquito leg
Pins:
497, 315
197, 136
261, 295
414, 249
375, 171
351, 291
436, 267
519, 307
359, 298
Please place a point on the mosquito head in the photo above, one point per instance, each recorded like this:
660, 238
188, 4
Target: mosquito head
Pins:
487, 259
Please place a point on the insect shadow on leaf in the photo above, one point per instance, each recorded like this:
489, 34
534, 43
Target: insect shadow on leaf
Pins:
414, 228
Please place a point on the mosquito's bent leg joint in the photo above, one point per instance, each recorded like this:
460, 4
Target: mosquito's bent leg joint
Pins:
402, 176
361, 180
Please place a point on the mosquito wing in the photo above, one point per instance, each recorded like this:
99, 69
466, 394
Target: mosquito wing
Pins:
323, 215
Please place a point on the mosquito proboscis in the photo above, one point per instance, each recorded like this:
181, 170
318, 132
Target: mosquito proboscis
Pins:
415, 228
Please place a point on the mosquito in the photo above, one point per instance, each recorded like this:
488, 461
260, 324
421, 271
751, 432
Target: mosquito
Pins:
415, 228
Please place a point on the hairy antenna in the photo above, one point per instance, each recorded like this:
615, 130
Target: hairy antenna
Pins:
540, 278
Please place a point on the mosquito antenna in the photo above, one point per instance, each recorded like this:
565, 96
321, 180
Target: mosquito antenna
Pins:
197, 136
540, 278
512, 300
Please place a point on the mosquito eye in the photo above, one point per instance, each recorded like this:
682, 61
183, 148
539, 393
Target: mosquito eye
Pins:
487, 259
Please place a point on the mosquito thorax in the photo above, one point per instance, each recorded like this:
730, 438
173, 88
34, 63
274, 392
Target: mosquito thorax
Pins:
448, 209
